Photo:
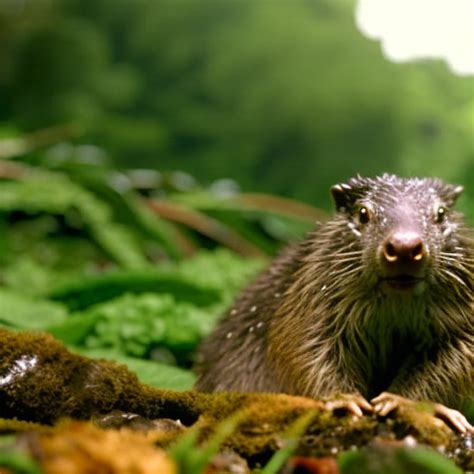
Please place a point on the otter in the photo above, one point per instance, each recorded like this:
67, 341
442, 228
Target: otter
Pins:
376, 303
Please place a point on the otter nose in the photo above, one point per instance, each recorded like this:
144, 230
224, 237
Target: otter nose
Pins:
404, 246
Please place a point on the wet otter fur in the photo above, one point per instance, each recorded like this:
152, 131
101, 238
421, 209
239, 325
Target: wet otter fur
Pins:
379, 298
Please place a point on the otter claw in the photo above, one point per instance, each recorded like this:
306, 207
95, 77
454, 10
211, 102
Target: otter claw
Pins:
387, 402
383, 409
350, 403
454, 418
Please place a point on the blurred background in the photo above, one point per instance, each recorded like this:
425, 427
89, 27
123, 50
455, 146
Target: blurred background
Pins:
286, 97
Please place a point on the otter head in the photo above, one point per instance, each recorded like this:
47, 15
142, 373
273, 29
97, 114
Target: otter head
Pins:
406, 231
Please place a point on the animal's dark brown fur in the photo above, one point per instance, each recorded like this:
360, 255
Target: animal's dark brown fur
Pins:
328, 317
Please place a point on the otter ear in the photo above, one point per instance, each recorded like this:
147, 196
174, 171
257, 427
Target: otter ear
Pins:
345, 194
449, 193
453, 193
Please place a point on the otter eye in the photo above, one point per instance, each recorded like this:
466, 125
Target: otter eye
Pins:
440, 214
364, 215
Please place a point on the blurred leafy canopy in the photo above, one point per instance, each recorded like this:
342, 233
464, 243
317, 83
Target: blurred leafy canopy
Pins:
286, 97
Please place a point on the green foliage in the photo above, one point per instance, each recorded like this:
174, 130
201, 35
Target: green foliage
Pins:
73, 261
56, 194
33, 276
396, 461
265, 227
18, 463
106, 183
170, 322
468, 410
192, 458
160, 314
20, 311
86, 291
156, 374
89, 294
291, 437
135, 325
221, 270
13, 458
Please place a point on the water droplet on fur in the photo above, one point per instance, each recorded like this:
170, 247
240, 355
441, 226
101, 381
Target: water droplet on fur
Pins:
251, 328
447, 232
259, 325
467, 442
323, 287
409, 441
253, 309
277, 295
441, 448
229, 335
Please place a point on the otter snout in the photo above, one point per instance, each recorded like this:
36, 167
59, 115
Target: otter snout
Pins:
403, 247
403, 255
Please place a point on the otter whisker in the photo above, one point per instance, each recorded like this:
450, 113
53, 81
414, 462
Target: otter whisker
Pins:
344, 254
455, 265
445, 271
327, 259
338, 253
344, 271
453, 256
341, 279
347, 261
452, 261
457, 256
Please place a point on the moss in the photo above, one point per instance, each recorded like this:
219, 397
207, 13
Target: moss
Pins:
41, 381
17, 426
417, 420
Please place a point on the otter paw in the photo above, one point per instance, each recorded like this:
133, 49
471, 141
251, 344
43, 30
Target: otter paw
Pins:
353, 404
387, 402
453, 418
